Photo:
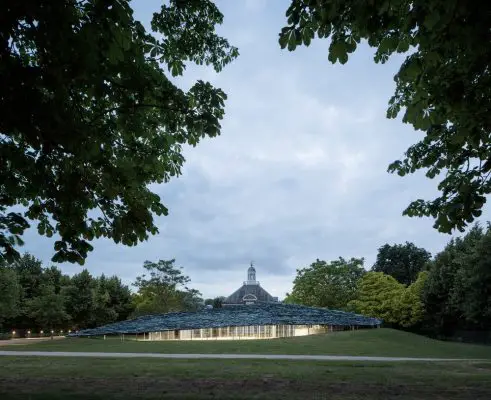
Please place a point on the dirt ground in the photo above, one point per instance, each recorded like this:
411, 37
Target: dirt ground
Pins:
265, 388
27, 341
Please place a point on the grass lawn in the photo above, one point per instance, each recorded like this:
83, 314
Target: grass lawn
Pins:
39, 378
373, 342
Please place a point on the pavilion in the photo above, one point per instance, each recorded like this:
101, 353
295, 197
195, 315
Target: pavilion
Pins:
249, 313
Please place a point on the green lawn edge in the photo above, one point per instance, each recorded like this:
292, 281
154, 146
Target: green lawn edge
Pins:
381, 342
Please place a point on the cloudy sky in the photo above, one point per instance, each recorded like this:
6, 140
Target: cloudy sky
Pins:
298, 173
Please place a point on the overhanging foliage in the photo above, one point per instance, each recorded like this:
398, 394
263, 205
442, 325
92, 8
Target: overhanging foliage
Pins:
443, 87
89, 117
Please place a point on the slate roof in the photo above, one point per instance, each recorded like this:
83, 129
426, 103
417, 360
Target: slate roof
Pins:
261, 294
241, 315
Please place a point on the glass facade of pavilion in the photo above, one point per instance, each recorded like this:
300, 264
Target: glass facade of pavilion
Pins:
243, 332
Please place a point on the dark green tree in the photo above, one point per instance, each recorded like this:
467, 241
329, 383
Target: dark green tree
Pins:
54, 276
402, 261
25, 284
190, 299
30, 273
112, 301
164, 289
102, 313
48, 309
324, 284
457, 294
472, 290
443, 87
89, 117
10, 294
218, 301
79, 299
32, 279
120, 297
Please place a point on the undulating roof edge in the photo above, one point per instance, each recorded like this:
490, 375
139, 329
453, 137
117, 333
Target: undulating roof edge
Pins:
237, 315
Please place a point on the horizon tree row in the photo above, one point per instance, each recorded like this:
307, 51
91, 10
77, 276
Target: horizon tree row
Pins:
447, 296
34, 298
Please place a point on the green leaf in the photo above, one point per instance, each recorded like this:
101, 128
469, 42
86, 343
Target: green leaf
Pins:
283, 40
307, 34
306, 39
292, 42
337, 51
351, 44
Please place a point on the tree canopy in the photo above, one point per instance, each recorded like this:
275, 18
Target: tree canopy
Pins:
89, 116
403, 262
449, 298
48, 309
33, 297
324, 284
376, 296
215, 302
457, 295
381, 296
9, 295
164, 289
443, 87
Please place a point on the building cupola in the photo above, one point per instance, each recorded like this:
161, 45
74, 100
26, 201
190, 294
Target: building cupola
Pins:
251, 274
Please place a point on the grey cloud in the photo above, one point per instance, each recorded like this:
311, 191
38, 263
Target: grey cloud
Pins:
299, 172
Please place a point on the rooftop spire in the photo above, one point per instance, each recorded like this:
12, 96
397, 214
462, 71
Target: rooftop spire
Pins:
251, 274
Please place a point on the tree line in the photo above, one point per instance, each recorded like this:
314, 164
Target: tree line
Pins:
448, 295
445, 296
34, 298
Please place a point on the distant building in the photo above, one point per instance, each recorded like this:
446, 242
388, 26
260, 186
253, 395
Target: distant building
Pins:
250, 292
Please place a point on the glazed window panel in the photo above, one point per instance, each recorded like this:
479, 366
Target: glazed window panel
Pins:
244, 332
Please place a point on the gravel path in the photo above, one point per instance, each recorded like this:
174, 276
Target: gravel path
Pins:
223, 356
